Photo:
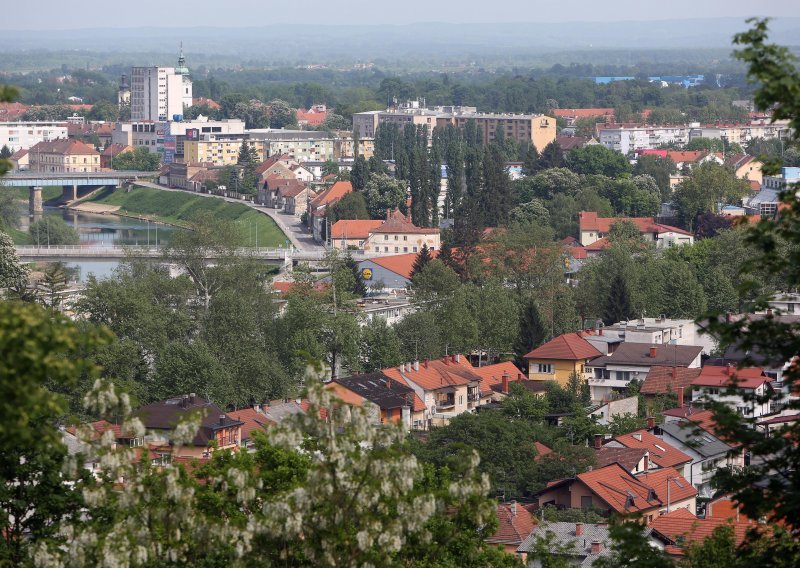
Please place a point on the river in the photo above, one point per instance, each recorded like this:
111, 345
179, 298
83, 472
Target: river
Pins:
105, 230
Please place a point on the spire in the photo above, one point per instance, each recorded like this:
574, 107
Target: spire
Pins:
181, 69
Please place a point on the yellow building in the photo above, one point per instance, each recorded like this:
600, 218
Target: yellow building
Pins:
557, 359
538, 129
63, 156
218, 152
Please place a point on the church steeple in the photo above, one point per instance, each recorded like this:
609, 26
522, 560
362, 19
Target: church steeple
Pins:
181, 69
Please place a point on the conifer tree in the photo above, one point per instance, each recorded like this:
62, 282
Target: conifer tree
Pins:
552, 157
424, 256
618, 303
530, 164
531, 332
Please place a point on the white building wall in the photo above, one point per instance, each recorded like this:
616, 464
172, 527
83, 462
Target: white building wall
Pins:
24, 135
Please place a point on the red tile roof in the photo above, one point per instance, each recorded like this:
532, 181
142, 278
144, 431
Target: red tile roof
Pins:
541, 449
64, 146
628, 458
116, 149
566, 347
718, 376
10, 112
492, 375
401, 264
589, 221
661, 453
396, 222
515, 524
437, 373
311, 117
663, 379
681, 527
679, 487
619, 489
208, 102
101, 426
251, 420
354, 229
582, 112
333, 194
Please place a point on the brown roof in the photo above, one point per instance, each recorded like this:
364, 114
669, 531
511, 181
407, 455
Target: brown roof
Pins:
333, 194
65, 147
19, 154
396, 222
492, 375
116, 149
662, 379
628, 458
582, 112
204, 101
567, 347
251, 420
401, 264
661, 453
718, 376
515, 524
568, 143
589, 221
681, 527
629, 353
166, 414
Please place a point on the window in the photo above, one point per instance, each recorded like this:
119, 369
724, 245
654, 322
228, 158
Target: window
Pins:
405, 237
414, 249
586, 502
545, 368
395, 237
405, 249
396, 249
385, 237
385, 249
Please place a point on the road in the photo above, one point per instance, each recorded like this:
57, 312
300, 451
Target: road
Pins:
294, 230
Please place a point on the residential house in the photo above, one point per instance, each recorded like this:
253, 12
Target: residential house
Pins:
714, 382
112, 151
572, 115
253, 420
745, 167
352, 234
569, 143
660, 454
693, 433
611, 374
278, 165
661, 331
675, 530
497, 381
217, 430
20, 160
560, 357
275, 190
594, 228
634, 460
296, 199
202, 179
179, 174
514, 525
318, 207
390, 401
63, 156
581, 544
390, 309
301, 173
447, 387
604, 412
397, 234
629, 137
613, 489
314, 116
666, 379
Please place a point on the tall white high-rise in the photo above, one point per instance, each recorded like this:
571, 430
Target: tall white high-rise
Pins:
160, 93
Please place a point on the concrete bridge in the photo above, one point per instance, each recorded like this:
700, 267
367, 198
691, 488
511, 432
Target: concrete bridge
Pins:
54, 253
69, 181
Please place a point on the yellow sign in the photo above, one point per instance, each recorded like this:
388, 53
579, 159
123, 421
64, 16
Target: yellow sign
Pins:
366, 274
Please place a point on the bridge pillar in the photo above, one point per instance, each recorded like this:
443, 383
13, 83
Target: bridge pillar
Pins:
69, 193
35, 200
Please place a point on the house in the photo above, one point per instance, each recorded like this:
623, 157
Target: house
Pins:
390, 401
610, 374
314, 116
318, 207
572, 115
202, 178
693, 434
253, 420
497, 380
560, 357
20, 160
581, 543
594, 228
514, 525
447, 387
301, 173
63, 155
397, 234
713, 383
604, 412
112, 151
634, 460
661, 330
660, 454
276, 189
666, 379
613, 489
676, 529
217, 430
278, 165
745, 167
349, 234
296, 199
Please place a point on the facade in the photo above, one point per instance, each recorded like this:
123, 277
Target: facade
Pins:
318, 207
745, 167
20, 160
148, 134
397, 234
713, 383
389, 309
63, 156
298, 145
25, 135
582, 544
220, 152
347, 234
560, 357
594, 228
626, 138
160, 93
611, 374
387, 273
660, 331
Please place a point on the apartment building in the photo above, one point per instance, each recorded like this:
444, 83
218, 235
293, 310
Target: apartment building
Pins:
25, 135
160, 93
219, 152
626, 138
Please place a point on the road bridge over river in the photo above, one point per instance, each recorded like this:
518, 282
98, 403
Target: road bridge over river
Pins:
71, 182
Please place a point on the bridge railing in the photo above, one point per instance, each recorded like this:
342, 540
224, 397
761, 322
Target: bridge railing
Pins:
115, 250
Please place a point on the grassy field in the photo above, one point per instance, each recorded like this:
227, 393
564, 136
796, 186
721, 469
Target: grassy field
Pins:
179, 208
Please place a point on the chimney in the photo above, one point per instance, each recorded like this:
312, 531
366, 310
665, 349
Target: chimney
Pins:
600, 332
458, 357
520, 377
653, 352
578, 529
646, 462
598, 441
504, 383
680, 397
222, 420
769, 312
651, 422
257, 407
729, 370
597, 546
416, 365
446, 360
191, 397
513, 508
637, 436
388, 214
425, 363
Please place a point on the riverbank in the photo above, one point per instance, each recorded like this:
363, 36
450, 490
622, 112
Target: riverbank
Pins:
176, 208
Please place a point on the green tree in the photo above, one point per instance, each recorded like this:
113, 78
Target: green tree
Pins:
104, 111
53, 283
383, 194
51, 230
359, 173
139, 159
330, 167
5, 152
281, 115
530, 164
709, 144
708, 186
618, 304
531, 332
424, 256
533, 212
434, 284
660, 169
552, 156
380, 346
12, 273
597, 160
351, 206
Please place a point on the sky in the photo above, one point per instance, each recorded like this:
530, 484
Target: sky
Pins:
79, 14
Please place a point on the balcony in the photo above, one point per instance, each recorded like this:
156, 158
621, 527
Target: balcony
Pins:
473, 397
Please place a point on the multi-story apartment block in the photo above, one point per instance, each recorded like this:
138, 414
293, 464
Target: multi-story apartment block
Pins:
626, 138
160, 93
25, 135
148, 134
299, 145
219, 152
63, 156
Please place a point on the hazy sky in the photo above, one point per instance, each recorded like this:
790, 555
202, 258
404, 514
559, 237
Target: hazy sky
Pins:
73, 14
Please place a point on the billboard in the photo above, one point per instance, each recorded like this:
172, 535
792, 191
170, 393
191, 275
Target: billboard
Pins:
193, 134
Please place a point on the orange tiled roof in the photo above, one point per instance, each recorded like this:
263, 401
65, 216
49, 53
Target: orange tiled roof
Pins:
333, 194
541, 449
205, 101
566, 347
681, 527
662, 379
354, 229
582, 112
64, 146
251, 420
626, 457
437, 373
589, 221
492, 375
619, 489
661, 453
718, 376
679, 487
396, 222
515, 524
401, 264
101, 426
